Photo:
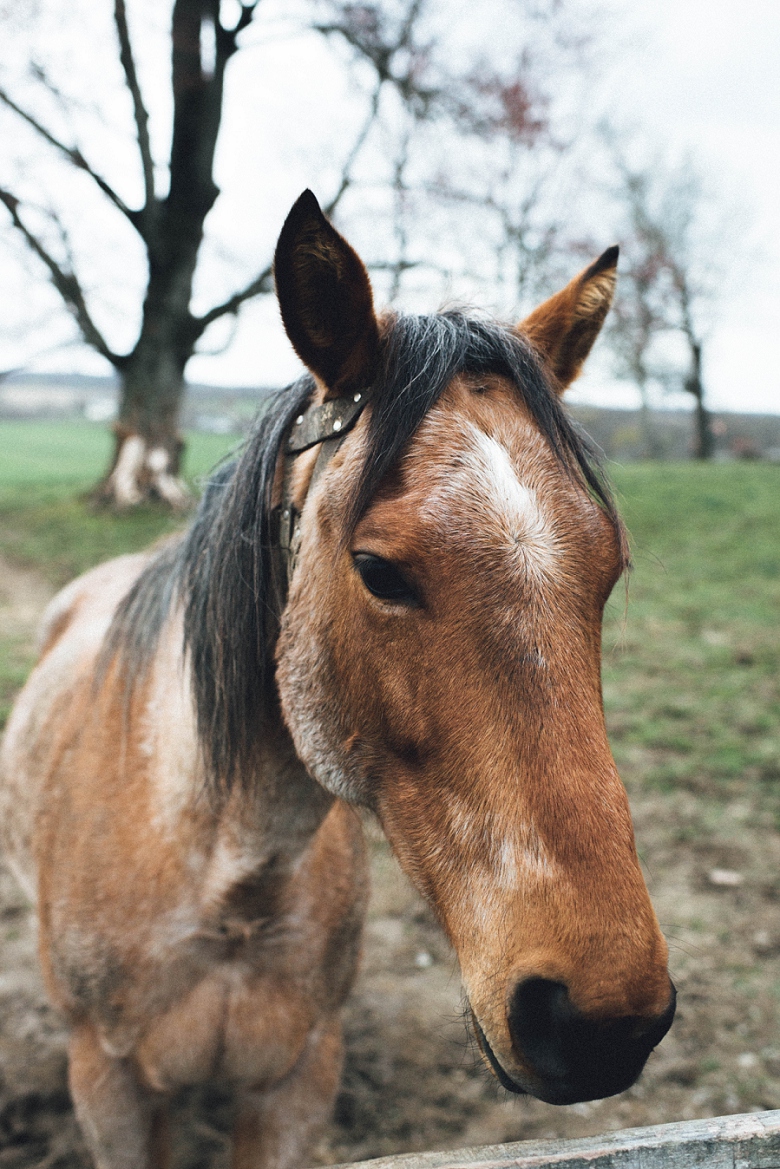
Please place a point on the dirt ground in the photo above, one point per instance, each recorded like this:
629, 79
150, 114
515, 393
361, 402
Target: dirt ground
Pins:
412, 1079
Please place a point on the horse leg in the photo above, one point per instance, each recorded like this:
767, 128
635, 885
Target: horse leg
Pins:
274, 1128
121, 1125
160, 1138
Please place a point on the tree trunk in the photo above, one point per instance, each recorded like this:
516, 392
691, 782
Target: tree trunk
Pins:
651, 446
704, 440
148, 448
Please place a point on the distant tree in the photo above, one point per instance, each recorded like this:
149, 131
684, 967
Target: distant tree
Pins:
521, 223
387, 41
669, 284
526, 173
638, 318
485, 206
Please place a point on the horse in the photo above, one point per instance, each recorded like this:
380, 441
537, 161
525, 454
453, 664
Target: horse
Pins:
392, 600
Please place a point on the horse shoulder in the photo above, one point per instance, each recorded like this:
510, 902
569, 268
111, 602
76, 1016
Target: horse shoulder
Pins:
91, 597
52, 702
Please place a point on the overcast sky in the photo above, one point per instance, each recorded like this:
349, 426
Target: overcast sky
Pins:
705, 74
696, 74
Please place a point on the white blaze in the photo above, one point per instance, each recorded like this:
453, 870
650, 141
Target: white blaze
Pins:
484, 497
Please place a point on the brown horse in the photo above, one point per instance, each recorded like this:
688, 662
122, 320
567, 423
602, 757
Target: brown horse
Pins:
396, 607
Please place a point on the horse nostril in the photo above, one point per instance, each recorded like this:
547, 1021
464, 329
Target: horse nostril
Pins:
538, 1018
579, 1058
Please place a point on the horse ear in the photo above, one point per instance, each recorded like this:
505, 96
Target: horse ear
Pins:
325, 298
564, 328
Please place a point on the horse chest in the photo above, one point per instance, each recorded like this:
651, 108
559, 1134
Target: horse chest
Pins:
270, 959
229, 973
233, 1026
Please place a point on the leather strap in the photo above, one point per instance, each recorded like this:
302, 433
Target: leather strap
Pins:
328, 425
329, 420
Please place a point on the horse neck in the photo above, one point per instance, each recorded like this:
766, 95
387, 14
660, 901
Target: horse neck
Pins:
271, 811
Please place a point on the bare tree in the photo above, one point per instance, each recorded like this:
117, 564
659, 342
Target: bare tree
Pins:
511, 202
533, 117
635, 323
396, 47
171, 225
668, 286
148, 448
498, 189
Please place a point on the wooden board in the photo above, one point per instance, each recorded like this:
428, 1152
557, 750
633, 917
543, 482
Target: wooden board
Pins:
747, 1141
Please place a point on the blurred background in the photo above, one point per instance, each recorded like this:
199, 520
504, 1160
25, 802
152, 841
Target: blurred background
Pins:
476, 154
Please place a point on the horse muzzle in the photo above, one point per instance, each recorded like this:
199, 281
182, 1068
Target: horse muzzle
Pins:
567, 1057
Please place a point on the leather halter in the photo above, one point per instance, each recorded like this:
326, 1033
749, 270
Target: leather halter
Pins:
327, 425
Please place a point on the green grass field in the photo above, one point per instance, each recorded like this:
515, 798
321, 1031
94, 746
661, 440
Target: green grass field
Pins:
691, 661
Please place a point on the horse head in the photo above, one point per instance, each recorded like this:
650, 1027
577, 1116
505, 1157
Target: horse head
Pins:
439, 656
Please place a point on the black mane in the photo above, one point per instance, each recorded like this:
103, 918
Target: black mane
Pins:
224, 571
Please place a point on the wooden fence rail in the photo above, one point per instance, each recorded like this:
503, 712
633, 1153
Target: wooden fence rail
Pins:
748, 1141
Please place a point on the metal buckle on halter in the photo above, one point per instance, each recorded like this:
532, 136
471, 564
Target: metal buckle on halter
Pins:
288, 522
327, 424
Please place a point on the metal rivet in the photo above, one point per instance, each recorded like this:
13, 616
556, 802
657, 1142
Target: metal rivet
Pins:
286, 514
357, 397
299, 420
337, 424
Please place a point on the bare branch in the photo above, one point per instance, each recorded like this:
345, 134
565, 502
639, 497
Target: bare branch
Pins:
218, 350
74, 156
365, 28
139, 109
38, 71
245, 19
400, 228
264, 282
394, 266
261, 284
349, 162
227, 38
64, 281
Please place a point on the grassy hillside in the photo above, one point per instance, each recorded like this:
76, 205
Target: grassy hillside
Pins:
692, 655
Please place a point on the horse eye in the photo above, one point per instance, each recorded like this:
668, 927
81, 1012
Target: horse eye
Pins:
383, 579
